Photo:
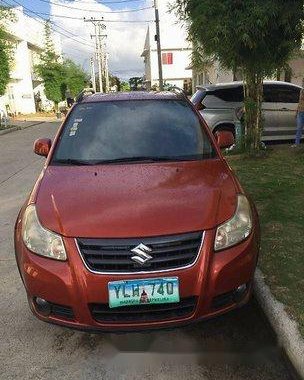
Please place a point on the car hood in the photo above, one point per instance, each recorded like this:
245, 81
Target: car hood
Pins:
135, 200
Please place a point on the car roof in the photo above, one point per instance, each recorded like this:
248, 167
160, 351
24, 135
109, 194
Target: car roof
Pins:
219, 86
133, 95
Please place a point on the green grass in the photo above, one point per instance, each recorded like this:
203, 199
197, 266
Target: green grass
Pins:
276, 184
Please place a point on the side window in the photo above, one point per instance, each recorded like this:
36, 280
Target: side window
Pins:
289, 95
281, 94
233, 94
271, 94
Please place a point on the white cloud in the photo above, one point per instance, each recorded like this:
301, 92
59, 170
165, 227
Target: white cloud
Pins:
125, 40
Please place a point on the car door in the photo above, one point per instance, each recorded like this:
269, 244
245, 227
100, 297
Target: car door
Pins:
279, 108
287, 106
223, 102
270, 112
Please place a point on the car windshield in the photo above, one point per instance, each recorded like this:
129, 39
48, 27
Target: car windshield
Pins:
135, 130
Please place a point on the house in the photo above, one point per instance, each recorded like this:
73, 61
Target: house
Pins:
214, 73
26, 35
175, 52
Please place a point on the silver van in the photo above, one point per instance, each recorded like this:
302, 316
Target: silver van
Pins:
219, 104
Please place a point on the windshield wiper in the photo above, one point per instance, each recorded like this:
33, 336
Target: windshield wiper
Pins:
72, 161
141, 159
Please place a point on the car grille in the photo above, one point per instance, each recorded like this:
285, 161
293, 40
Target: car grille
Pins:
143, 313
114, 255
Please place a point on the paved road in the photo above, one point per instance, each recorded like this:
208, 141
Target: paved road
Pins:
237, 346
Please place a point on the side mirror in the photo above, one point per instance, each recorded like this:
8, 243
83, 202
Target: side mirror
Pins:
224, 139
42, 147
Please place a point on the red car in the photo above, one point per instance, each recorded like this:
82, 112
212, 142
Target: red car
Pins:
136, 221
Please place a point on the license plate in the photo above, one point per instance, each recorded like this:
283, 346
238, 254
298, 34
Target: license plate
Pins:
143, 292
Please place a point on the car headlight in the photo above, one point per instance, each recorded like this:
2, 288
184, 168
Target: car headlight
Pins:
39, 240
237, 229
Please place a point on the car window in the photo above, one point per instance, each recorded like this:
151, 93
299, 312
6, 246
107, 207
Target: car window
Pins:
281, 94
113, 130
271, 94
233, 94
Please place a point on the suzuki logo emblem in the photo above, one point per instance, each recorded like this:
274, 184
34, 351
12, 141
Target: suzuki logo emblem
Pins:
142, 254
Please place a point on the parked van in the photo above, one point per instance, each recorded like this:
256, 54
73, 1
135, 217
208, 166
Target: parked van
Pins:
218, 105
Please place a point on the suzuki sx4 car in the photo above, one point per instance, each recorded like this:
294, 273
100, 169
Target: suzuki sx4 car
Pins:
136, 221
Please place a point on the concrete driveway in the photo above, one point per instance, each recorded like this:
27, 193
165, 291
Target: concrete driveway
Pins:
239, 345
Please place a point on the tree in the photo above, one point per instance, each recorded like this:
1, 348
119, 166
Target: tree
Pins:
51, 69
136, 83
59, 76
75, 78
254, 36
115, 81
125, 86
4, 63
5, 49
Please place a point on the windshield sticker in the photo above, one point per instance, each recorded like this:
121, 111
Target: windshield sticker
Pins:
73, 129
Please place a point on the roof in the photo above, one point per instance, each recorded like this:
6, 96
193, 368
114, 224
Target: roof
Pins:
133, 95
218, 86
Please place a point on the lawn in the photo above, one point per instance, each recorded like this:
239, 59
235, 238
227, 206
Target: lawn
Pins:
276, 184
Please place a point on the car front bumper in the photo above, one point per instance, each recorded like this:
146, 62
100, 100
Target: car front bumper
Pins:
211, 282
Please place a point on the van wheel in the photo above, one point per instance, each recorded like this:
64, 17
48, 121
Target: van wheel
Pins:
225, 127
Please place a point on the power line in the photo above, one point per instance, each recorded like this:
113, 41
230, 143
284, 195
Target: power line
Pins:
75, 18
57, 26
118, 2
94, 10
81, 18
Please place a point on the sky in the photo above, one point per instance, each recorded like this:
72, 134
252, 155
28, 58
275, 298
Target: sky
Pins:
125, 41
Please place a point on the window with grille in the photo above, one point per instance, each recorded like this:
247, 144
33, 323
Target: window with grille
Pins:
167, 58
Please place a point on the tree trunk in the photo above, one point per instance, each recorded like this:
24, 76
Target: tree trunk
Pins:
253, 91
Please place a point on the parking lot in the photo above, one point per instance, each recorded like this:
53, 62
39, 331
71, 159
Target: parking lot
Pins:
239, 345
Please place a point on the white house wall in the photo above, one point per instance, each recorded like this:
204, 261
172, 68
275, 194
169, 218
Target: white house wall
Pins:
28, 38
175, 73
173, 40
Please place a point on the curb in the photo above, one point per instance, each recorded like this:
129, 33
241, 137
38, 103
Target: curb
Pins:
18, 128
286, 329
8, 130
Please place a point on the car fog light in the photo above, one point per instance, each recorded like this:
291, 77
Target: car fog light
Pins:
42, 306
239, 293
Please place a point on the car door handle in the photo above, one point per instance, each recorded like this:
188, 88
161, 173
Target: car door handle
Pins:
285, 109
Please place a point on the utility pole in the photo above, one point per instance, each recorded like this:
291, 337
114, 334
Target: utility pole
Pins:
107, 72
157, 39
99, 55
99, 26
92, 63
